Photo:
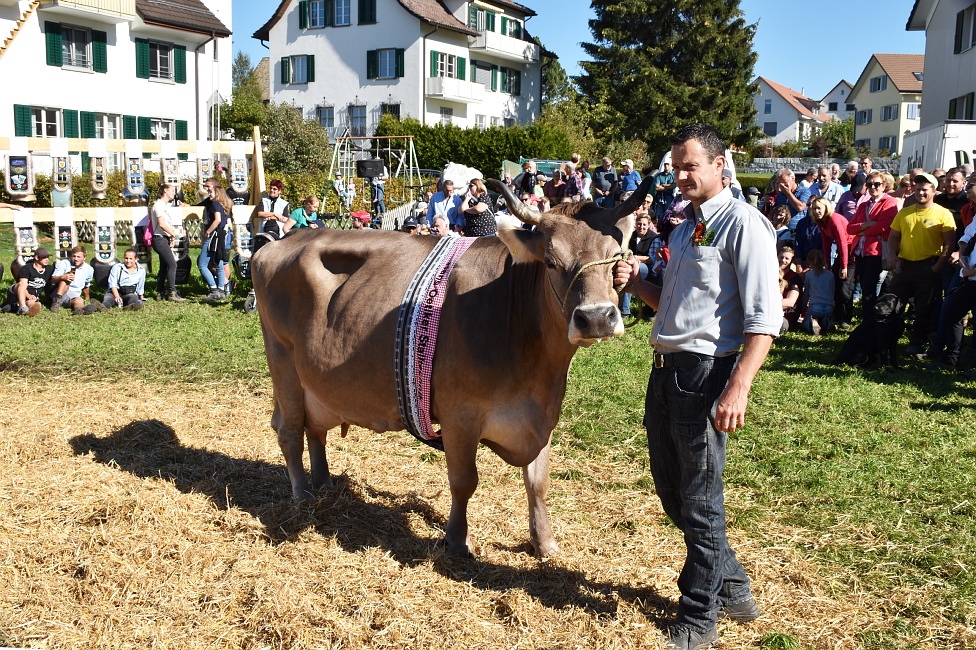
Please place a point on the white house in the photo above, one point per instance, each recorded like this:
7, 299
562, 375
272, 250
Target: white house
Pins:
887, 97
142, 69
784, 114
837, 104
950, 49
347, 62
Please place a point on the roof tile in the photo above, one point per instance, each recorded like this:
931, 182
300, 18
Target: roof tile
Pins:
188, 15
901, 69
795, 99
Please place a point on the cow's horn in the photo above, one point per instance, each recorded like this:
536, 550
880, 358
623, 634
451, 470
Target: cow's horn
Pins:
515, 206
635, 200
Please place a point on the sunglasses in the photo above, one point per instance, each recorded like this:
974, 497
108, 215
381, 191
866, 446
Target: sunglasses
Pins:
873, 184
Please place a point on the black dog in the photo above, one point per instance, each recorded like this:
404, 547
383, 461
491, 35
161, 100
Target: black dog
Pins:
877, 337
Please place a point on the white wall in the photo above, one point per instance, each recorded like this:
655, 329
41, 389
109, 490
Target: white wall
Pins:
947, 75
783, 113
841, 95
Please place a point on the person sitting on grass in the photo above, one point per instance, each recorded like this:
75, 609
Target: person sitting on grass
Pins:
71, 282
779, 216
126, 284
818, 282
33, 280
305, 216
791, 285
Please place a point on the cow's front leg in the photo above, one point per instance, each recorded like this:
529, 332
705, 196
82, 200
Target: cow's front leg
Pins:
462, 474
317, 461
290, 426
536, 477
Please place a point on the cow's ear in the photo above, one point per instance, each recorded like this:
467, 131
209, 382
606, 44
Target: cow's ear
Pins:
625, 225
524, 245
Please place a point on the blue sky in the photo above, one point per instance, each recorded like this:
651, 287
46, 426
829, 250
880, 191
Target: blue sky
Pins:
808, 49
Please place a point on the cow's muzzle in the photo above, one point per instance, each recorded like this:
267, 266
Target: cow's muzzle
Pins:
596, 322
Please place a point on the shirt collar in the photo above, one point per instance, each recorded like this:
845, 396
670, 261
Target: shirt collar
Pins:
713, 205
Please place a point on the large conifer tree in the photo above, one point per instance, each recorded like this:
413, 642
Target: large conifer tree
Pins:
658, 66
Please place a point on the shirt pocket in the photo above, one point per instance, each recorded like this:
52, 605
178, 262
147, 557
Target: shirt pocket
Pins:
703, 264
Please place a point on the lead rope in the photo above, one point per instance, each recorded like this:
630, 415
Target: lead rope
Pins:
626, 255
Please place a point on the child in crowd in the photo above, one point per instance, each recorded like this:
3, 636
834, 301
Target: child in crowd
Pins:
819, 286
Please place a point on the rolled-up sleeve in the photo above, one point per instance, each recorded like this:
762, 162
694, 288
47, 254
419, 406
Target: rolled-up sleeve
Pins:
757, 269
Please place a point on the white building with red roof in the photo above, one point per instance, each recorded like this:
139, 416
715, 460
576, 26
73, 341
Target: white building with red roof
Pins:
784, 114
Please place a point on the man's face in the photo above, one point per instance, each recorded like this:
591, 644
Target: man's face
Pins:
606, 163
42, 261
77, 259
954, 183
642, 226
835, 171
359, 224
786, 183
130, 260
448, 189
726, 181
411, 230
667, 168
785, 258
274, 192
823, 177
699, 177
626, 169
439, 228
866, 164
924, 193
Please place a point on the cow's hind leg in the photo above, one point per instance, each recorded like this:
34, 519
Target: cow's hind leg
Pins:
288, 420
317, 461
462, 474
536, 477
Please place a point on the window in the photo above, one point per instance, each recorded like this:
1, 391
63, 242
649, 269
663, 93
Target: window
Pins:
342, 12
367, 12
965, 37
107, 126
447, 115
511, 81
863, 117
961, 108
889, 112
388, 67
843, 91
326, 116
316, 14
889, 142
832, 107
509, 122
485, 74
384, 64
160, 60
480, 121
863, 143
299, 69
357, 121
74, 47
769, 128
162, 129
511, 27
913, 111
390, 109
879, 83
850, 107
918, 75
481, 20
496, 121
768, 107
157, 60
45, 122
446, 65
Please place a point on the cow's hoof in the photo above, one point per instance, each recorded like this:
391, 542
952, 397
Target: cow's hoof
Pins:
546, 549
327, 483
459, 550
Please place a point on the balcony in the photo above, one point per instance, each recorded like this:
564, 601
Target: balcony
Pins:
455, 90
115, 10
506, 47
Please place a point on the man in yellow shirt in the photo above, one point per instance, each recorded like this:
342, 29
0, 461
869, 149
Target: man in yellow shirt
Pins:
922, 237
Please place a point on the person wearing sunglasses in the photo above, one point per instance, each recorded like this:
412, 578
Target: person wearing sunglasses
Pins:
870, 228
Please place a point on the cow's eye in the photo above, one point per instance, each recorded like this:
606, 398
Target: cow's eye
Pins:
550, 264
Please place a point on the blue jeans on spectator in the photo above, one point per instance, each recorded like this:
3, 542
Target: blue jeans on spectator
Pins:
687, 457
625, 301
204, 261
604, 201
378, 200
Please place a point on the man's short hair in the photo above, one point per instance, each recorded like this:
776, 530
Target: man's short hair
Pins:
867, 158
785, 246
957, 170
785, 171
441, 217
80, 249
448, 182
707, 137
605, 160
644, 216
823, 167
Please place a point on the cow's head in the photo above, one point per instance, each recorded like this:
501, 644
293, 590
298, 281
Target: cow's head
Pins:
579, 244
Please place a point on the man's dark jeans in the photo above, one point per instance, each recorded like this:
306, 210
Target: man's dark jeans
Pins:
916, 280
687, 461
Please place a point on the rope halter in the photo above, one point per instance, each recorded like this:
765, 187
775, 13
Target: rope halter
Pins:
626, 255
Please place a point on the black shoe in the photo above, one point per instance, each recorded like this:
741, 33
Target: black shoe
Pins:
55, 304
135, 306
98, 305
681, 638
741, 612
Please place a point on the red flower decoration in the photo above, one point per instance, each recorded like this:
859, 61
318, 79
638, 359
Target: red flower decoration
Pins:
699, 235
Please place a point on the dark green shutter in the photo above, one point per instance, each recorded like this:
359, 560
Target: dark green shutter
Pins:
53, 32
87, 124
960, 27
504, 26
22, 121
952, 109
130, 129
303, 14
367, 12
472, 17
969, 105
329, 6
145, 128
517, 29
310, 67
504, 80
516, 82
433, 63
286, 71
142, 58
182, 134
399, 62
99, 51
179, 55
494, 78
372, 64
85, 163
70, 118
461, 67
474, 71
490, 21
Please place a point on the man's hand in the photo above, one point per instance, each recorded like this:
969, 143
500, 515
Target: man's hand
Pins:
626, 271
843, 274
730, 409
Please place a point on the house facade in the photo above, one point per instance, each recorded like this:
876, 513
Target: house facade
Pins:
887, 99
837, 104
345, 63
141, 69
785, 114
950, 48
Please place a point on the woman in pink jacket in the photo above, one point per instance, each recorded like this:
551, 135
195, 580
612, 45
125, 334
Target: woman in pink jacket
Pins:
833, 229
870, 227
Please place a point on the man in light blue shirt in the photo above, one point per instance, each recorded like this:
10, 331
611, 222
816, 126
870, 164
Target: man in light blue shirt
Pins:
720, 295
629, 179
72, 278
826, 186
446, 203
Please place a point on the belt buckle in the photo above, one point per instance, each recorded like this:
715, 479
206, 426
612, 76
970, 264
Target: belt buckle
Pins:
658, 360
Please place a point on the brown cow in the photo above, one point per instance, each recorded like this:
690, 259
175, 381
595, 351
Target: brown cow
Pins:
516, 309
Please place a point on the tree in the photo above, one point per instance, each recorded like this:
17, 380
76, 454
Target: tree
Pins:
294, 144
556, 85
246, 109
658, 66
839, 135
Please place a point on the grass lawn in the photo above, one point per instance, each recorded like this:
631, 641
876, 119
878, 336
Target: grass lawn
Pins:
869, 474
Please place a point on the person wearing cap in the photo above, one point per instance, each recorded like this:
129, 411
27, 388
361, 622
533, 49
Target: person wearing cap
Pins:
727, 182
411, 226
752, 196
664, 187
33, 280
922, 238
360, 220
629, 179
446, 203
71, 282
849, 201
274, 209
604, 178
